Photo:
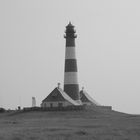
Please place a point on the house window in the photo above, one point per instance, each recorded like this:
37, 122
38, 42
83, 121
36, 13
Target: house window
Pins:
45, 104
60, 104
51, 104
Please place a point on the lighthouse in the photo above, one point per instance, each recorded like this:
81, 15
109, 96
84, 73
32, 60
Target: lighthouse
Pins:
70, 97
71, 86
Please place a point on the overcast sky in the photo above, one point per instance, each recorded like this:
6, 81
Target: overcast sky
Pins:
32, 50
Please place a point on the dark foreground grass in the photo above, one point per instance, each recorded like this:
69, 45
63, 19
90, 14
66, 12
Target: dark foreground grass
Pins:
71, 125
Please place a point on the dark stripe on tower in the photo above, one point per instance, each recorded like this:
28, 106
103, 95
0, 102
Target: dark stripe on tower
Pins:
72, 90
70, 42
70, 65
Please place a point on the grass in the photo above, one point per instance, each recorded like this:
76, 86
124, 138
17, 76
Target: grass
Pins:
69, 125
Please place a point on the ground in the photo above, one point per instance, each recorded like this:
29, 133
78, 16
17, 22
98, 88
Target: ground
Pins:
69, 125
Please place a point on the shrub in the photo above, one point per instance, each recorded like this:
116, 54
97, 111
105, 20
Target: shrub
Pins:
2, 110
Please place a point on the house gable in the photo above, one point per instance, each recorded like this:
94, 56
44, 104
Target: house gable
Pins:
83, 97
54, 96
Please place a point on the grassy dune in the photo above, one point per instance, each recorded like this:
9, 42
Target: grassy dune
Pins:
70, 125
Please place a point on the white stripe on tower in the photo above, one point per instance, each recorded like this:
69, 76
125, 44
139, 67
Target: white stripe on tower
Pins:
70, 78
70, 53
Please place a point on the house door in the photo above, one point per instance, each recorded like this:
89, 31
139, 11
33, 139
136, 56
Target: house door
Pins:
60, 104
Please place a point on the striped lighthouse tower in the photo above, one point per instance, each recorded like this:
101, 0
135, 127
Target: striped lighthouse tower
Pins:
71, 86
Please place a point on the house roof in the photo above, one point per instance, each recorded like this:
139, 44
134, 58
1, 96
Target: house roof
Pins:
59, 95
54, 96
85, 97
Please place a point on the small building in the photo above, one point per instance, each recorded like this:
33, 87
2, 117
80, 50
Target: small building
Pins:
58, 98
